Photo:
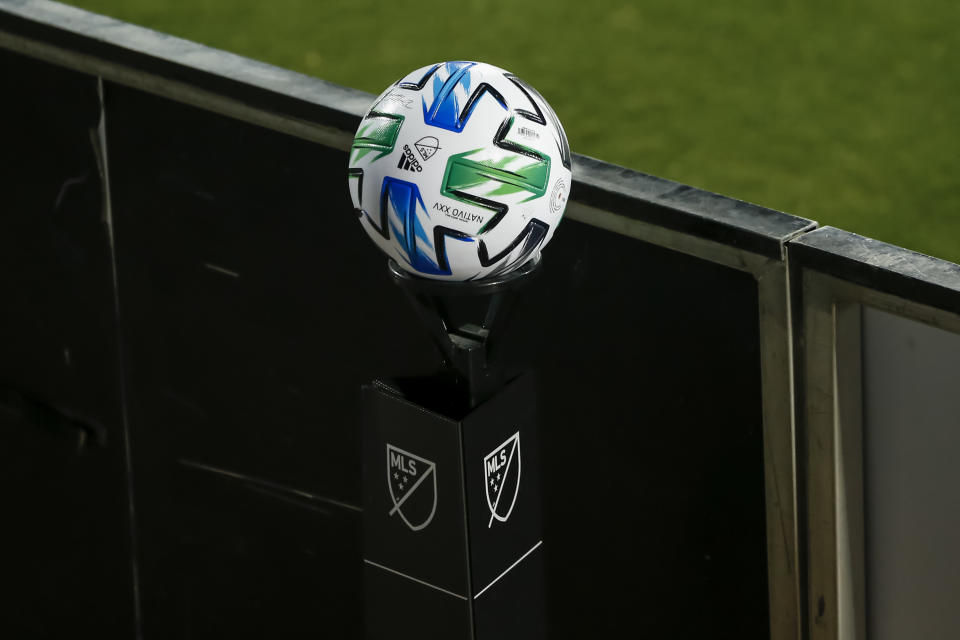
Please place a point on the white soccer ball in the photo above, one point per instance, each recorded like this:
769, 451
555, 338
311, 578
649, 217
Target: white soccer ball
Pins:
460, 171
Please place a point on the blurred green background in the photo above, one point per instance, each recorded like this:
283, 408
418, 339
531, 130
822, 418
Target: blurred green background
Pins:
844, 112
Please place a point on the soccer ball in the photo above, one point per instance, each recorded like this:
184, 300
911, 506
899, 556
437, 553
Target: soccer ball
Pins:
460, 171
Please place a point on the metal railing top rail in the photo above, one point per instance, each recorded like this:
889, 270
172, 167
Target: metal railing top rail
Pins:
677, 206
296, 103
881, 266
210, 70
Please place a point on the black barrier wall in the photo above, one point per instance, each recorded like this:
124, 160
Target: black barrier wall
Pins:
187, 283
251, 309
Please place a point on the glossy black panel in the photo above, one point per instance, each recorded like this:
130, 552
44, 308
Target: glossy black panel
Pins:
650, 417
63, 489
254, 309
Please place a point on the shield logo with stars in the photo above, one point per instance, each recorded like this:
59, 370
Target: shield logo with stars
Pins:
501, 472
412, 482
427, 146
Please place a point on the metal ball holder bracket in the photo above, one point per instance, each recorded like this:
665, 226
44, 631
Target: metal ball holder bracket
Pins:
452, 521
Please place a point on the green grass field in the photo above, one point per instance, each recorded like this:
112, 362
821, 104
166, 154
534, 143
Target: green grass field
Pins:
844, 112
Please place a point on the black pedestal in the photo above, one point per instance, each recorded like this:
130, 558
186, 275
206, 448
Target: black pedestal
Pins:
452, 533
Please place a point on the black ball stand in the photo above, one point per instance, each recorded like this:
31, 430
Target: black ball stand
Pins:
452, 538
465, 321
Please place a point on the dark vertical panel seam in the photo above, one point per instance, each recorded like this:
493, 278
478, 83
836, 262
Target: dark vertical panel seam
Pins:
865, 460
466, 531
795, 280
794, 309
100, 146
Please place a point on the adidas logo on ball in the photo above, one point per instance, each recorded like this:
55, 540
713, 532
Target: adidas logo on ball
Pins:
408, 161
